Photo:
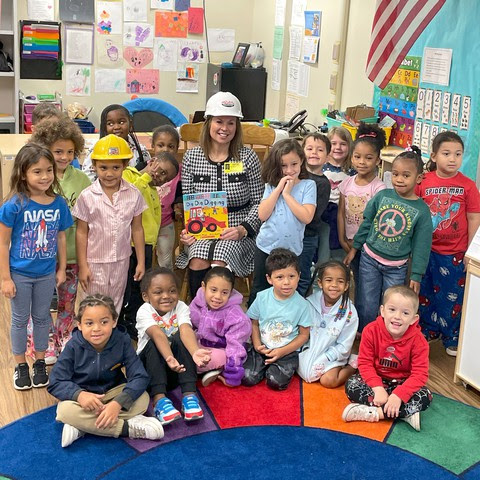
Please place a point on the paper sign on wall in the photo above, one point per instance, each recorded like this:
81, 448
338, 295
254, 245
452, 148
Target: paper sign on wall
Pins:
165, 54
195, 20
109, 18
77, 80
109, 51
112, 81
138, 34
171, 24
142, 80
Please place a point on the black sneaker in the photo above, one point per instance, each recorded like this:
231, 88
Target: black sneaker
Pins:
54, 302
21, 377
40, 375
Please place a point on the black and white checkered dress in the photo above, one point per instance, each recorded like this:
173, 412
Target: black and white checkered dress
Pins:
244, 191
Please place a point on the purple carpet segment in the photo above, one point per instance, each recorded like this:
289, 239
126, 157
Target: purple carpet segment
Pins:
179, 428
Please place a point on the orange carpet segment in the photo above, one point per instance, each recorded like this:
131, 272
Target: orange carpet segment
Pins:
253, 406
323, 407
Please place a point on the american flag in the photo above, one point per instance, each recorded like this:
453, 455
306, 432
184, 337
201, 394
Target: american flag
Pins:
396, 26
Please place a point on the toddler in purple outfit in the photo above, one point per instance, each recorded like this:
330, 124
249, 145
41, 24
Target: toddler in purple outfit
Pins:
222, 326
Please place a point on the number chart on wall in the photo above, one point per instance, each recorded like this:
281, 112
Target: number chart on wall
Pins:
438, 111
398, 100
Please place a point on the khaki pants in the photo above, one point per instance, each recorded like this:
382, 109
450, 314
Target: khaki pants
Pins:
72, 413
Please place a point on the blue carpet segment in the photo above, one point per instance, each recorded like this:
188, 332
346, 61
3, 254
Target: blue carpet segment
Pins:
278, 452
30, 449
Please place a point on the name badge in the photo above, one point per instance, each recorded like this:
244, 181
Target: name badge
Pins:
233, 167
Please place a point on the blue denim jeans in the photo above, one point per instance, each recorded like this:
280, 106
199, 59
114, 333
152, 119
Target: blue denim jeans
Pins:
374, 279
310, 248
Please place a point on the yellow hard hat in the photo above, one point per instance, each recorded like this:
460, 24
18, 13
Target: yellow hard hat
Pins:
111, 147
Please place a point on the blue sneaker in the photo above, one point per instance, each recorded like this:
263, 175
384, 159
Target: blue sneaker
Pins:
191, 408
165, 411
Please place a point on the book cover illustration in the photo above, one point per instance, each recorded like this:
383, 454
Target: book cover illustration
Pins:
206, 214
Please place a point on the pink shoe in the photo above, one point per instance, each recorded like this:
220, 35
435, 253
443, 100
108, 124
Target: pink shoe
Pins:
51, 353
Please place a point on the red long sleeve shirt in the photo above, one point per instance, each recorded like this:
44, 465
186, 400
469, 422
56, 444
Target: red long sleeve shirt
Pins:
381, 356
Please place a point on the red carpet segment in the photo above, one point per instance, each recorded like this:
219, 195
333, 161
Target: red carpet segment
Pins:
253, 406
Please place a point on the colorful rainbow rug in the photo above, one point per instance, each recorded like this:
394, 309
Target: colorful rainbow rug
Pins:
257, 433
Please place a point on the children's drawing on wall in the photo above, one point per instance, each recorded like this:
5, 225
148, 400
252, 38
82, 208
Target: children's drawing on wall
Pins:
182, 5
81, 11
142, 80
109, 18
109, 51
171, 24
195, 20
191, 51
138, 34
78, 80
163, 4
165, 54
221, 39
111, 81
138, 57
135, 11
187, 77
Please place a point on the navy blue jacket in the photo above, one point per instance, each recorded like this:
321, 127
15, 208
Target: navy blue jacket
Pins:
81, 368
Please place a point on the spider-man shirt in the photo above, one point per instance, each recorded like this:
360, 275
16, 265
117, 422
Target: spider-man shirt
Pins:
449, 200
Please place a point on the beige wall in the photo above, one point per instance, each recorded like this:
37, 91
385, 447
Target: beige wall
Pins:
253, 21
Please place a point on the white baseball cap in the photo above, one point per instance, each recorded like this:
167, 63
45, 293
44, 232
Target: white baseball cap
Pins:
223, 104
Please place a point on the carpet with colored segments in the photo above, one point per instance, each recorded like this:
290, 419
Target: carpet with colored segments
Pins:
257, 433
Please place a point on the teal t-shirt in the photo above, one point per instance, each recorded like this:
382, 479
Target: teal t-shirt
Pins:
279, 319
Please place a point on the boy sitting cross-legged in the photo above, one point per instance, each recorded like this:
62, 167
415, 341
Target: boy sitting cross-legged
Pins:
280, 324
95, 397
392, 363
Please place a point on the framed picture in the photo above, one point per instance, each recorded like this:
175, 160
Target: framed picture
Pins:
240, 54
79, 45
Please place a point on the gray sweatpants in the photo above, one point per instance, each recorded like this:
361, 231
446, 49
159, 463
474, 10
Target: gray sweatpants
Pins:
33, 298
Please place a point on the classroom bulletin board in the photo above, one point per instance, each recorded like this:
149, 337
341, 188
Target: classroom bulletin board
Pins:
454, 106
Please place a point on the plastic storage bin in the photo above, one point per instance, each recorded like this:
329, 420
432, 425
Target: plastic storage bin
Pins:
85, 126
332, 122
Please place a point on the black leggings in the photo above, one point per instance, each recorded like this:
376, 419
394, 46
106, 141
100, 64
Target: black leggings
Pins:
359, 392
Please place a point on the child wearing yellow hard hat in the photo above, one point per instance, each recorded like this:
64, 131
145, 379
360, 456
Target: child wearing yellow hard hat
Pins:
109, 216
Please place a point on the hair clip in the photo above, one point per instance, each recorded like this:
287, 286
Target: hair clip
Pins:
408, 148
371, 134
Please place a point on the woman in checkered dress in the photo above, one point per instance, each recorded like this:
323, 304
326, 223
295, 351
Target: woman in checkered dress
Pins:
222, 163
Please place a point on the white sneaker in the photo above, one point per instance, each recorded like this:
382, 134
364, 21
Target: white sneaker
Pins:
145, 427
452, 351
70, 434
210, 377
413, 421
51, 353
356, 412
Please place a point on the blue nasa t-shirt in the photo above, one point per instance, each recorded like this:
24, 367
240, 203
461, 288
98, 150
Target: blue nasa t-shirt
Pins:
35, 228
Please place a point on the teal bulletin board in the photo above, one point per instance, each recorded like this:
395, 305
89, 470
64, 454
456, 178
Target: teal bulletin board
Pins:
456, 27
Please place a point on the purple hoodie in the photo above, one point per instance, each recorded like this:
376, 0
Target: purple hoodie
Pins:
228, 328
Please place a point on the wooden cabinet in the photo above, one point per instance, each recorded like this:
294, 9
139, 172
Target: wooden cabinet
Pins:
9, 80
467, 368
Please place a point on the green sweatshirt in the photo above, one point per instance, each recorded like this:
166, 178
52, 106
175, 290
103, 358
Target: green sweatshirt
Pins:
396, 228
74, 181
151, 218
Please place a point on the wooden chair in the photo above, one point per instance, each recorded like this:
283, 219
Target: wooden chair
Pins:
257, 138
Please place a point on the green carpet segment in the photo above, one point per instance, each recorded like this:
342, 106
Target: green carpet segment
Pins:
453, 439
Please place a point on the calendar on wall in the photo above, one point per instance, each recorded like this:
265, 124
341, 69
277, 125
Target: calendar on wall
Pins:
398, 100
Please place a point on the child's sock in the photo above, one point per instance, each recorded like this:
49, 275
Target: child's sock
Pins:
124, 432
